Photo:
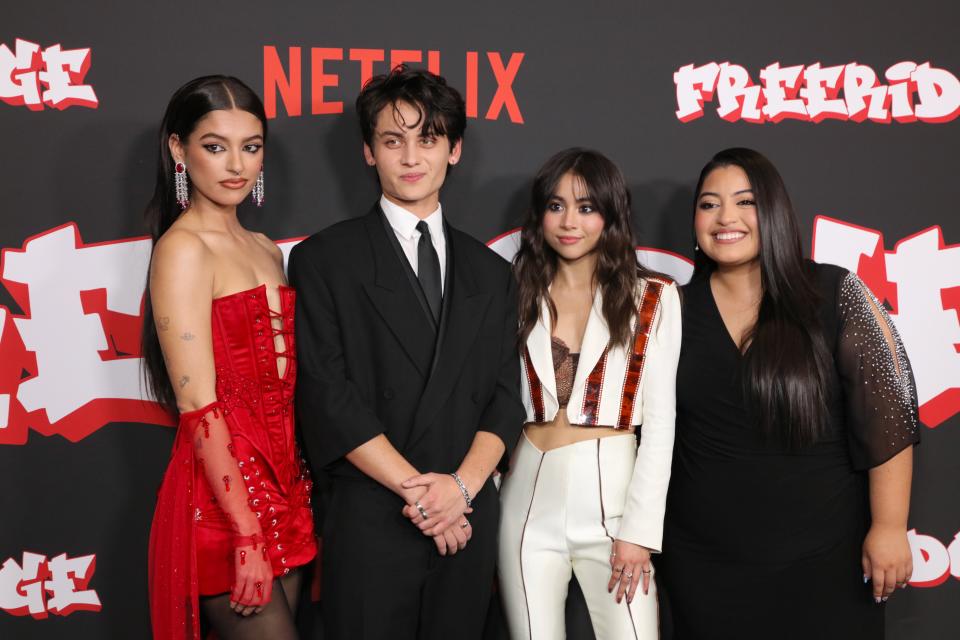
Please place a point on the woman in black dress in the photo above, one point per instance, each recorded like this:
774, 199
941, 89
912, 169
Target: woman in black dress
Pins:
796, 416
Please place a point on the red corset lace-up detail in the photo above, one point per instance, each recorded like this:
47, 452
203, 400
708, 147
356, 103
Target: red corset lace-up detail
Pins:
194, 533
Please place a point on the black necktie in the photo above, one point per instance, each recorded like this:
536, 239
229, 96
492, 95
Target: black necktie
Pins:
428, 270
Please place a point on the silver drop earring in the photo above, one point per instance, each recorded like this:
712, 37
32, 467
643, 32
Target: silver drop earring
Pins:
257, 193
180, 189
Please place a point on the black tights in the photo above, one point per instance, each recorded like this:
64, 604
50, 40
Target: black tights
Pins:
276, 621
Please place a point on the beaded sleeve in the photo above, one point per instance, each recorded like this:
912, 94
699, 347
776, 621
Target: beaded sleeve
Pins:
215, 457
878, 387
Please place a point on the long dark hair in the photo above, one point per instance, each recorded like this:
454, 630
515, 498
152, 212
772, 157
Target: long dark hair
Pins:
187, 107
787, 365
617, 272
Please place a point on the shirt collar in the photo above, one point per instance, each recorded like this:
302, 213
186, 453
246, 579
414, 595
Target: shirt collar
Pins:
404, 222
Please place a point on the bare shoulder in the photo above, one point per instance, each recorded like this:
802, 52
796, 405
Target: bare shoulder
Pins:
180, 252
267, 242
269, 245
180, 244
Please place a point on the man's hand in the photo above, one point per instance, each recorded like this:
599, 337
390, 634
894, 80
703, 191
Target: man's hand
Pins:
455, 538
440, 508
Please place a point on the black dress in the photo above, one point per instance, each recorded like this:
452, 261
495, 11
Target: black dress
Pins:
762, 541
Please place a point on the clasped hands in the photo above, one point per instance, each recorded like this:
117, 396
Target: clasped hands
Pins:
439, 497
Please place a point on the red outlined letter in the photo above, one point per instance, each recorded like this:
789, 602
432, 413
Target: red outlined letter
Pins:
939, 93
471, 90
737, 96
274, 80
504, 96
695, 85
901, 89
819, 91
366, 58
403, 56
320, 80
780, 87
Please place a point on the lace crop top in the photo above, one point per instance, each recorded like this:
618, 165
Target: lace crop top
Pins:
564, 369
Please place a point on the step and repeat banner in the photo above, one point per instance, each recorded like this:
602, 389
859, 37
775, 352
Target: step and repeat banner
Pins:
858, 108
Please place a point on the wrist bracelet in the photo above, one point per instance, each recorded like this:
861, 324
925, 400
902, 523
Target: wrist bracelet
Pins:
463, 488
248, 541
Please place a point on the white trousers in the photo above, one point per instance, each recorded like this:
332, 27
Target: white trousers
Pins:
560, 513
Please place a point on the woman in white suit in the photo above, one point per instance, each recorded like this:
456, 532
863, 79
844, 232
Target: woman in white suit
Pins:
600, 338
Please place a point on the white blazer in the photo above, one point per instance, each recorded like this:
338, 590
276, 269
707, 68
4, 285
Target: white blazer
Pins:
620, 387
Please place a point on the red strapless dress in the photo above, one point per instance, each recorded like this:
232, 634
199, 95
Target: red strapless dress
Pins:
191, 540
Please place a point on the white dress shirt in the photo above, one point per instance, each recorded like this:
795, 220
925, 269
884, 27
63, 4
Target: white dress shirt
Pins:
404, 225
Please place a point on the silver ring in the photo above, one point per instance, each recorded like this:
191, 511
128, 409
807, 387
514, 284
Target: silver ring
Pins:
629, 576
423, 512
465, 524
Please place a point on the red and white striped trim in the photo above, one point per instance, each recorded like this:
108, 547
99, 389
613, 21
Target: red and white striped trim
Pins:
536, 387
645, 314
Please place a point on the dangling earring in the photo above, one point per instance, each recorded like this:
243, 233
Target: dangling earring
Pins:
696, 246
180, 189
257, 193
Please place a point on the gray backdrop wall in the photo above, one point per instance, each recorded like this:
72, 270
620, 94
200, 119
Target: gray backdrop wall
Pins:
871, 165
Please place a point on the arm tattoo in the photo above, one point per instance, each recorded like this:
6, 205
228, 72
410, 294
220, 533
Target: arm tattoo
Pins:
163, 323
184, 380
187, 336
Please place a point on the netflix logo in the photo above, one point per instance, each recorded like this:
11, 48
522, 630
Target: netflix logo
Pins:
317, 75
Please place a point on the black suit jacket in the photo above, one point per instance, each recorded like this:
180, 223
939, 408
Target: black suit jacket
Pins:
371, 361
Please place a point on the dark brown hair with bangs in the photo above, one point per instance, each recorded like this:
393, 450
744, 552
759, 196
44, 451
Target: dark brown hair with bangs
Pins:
618, 271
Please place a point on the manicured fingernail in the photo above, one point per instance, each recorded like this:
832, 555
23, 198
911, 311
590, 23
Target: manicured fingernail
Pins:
884, 598
903, 586
876, 599
866, 579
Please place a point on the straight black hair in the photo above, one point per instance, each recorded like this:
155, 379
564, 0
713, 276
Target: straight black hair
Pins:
787, 364
189, 104
441, 107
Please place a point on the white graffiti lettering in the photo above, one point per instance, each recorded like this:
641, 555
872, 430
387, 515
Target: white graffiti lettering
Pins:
813, 93
24, 587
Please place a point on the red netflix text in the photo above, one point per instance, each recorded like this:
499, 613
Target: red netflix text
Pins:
324, 67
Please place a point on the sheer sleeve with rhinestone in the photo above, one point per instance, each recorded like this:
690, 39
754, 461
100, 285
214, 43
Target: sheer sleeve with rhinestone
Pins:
878, 385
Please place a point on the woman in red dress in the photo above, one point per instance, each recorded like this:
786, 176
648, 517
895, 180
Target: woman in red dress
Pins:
233, 521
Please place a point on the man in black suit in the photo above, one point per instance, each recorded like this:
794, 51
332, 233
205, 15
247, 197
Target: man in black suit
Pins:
408, 382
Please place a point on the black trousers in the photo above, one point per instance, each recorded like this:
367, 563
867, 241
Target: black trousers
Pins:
384, 579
